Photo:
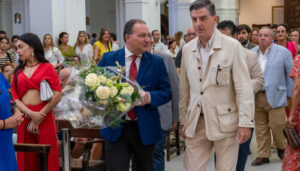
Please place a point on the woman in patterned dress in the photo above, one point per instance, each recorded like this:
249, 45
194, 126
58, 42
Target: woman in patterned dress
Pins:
291, 161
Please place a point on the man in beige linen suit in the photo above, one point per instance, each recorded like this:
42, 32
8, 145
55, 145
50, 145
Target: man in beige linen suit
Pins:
216, 97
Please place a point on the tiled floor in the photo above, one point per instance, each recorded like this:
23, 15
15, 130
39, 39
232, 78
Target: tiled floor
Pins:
176, 163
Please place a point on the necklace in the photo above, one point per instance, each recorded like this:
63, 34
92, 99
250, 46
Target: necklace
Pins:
30, 66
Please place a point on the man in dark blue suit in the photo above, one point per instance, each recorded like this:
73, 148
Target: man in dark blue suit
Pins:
141, 130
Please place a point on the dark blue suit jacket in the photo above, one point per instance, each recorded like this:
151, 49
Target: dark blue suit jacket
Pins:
153, 77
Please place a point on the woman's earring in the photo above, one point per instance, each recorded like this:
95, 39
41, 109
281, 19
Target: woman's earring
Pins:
32, 54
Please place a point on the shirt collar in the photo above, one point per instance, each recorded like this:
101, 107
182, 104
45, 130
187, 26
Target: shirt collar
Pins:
266, 51
247, 44
128, 54
209, 43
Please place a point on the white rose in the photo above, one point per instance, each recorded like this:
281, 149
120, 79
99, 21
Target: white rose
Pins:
120, 99
102, 78
127, 106
92, 80
127, 90
103, 92
113, 91
123, 107
104, 102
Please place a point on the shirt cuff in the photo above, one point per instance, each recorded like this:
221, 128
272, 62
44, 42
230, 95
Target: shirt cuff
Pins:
149, 102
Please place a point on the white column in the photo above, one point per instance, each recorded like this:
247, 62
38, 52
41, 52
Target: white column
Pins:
120, 20
147, 10
227, 10
55, 16
173, 19
180, 19
179, 16
184, 17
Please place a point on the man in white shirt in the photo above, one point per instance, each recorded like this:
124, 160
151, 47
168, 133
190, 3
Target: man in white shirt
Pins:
216, 103
141, 128
158, 46
276, 63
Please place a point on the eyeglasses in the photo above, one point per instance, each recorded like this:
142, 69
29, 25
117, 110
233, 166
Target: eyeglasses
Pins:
191, 34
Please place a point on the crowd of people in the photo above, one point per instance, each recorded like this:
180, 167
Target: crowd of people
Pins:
219, 83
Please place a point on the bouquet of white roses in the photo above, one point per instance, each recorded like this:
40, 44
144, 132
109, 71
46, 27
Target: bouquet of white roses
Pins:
98, 96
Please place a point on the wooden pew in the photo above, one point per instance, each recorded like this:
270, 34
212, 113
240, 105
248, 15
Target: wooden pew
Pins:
84, 164
174, 145
42, 149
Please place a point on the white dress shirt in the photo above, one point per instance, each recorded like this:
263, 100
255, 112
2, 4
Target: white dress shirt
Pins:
54, 56
128, 59
204, 52
263, 58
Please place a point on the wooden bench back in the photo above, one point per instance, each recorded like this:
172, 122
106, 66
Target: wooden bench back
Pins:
79, 132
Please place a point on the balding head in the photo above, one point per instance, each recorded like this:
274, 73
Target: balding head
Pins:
190, 34
64, 76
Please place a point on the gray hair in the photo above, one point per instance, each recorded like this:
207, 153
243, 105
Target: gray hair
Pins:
128, 28
268, 28
203, 4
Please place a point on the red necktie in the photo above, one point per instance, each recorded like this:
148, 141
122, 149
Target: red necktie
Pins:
132, 77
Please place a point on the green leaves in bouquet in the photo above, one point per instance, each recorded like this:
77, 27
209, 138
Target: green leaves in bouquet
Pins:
90, 95
93, 69
135, 96
114, 119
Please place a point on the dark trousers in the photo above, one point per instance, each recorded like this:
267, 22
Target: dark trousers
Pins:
119, 153
159, 152
243, 154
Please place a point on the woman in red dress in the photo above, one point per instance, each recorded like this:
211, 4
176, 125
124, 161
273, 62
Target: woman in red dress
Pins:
291, 161
39, 126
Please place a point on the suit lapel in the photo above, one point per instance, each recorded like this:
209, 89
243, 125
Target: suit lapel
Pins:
120, 57
271, 57
144, 65
217, 44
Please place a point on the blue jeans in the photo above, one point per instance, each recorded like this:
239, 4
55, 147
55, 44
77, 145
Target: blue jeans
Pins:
159, 153
243, 154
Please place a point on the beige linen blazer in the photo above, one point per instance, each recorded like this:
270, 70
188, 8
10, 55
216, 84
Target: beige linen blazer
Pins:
224, 93
255, 71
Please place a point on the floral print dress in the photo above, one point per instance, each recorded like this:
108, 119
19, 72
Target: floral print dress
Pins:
291, 161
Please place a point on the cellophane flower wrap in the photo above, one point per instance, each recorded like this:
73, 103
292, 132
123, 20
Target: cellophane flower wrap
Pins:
97, 96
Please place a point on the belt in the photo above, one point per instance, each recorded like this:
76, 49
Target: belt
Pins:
262, 91
130, 121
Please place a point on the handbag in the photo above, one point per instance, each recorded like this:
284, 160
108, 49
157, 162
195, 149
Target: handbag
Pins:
292, 137
46, 92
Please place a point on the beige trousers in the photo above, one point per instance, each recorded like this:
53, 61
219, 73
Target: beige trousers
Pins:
199, 149
266, 119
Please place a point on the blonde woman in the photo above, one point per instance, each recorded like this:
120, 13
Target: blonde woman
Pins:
83, 48
179, 40
52, 53
102, 45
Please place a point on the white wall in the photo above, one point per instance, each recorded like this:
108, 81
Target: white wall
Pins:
6, 17
40, 14
227, 10
154, 15
184, 16
18, 7
102, 15
257, 11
